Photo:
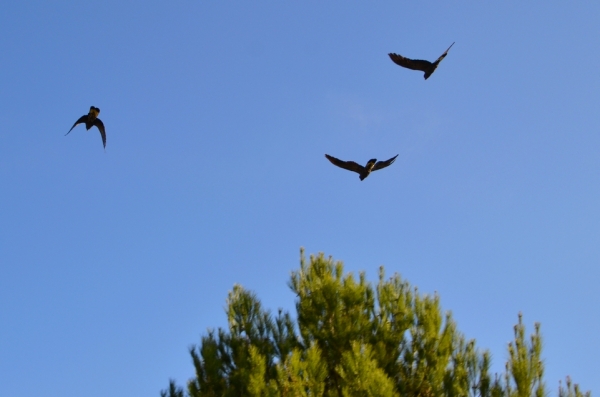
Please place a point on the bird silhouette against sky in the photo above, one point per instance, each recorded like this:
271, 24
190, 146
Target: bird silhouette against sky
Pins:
363, 172
91, 119
418, 64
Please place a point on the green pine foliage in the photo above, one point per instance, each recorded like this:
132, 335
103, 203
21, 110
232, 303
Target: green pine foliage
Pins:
351, 338
525, 369
361, 376
572, 390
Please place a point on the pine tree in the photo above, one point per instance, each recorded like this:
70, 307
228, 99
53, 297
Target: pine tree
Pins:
353, 339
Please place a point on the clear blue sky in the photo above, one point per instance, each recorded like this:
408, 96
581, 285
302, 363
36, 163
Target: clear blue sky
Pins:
218, 117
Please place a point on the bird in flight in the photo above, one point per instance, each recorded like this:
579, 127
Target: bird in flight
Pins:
363, 172
90, 120
419, 64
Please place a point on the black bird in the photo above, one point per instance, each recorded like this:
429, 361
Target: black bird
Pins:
363, 172
419, 64
90, 120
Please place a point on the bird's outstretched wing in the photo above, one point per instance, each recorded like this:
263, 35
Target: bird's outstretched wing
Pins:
443, 55
82, 119
414, 64
347, 165
382, 164
98, 123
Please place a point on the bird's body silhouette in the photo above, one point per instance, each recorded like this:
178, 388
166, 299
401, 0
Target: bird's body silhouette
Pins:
91, 119
419, 64
363, 172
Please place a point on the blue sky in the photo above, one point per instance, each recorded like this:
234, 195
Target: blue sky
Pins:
218, 116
